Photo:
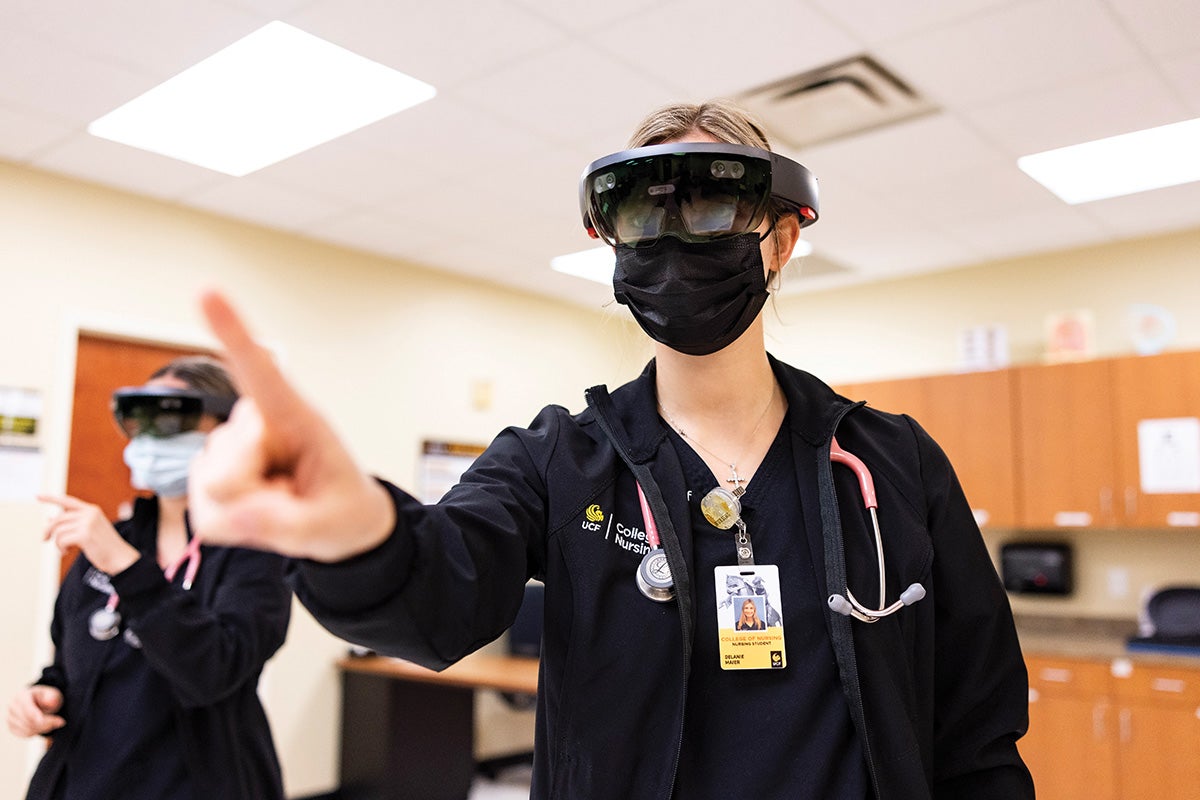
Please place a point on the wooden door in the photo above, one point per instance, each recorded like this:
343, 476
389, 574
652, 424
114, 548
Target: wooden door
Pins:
1155, 388
1070, 746
96, 470
1066, 453
971, 417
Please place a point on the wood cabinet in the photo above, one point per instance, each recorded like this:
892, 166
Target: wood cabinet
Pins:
1070, 748
1119, 730
971, 416
1151, 388
1158, 732
1052, 446
1066, 451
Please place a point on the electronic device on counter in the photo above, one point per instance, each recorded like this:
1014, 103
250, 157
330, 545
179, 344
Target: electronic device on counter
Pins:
1037, 568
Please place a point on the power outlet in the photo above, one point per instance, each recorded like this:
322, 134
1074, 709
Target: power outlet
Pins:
1118, 582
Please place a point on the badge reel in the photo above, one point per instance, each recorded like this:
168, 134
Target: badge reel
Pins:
723, 510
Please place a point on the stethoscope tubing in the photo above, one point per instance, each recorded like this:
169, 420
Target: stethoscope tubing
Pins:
847, 603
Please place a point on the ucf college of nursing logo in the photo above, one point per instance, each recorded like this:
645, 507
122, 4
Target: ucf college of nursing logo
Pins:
627, 537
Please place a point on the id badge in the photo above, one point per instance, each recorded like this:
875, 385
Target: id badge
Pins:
750, 617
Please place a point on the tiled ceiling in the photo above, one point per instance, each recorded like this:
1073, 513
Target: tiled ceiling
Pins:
481, 181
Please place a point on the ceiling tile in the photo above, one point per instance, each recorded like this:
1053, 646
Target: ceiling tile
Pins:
750, 50
1163, 27
1120, 102
254, 199
895, 157
1019, 48
588, 15
1023, 232
69, 86
23, 135
874, 22
568, 92
101, 161
159, 39
1146, 213
385, 232
1183, 73
441, 43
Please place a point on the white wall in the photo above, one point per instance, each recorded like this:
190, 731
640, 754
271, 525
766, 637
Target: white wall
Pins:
391, 352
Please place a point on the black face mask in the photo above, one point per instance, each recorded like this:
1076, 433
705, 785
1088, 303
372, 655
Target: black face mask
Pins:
696, 298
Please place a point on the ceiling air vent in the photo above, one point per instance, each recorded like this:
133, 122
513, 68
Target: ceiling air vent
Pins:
832, 102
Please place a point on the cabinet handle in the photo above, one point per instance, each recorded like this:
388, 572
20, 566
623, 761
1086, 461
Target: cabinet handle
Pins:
1131, 498
1126, 719
1055, 674
1099, 715
1172, 685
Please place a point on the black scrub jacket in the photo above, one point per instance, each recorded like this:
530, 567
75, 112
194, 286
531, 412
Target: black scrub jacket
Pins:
209, 643
937, 692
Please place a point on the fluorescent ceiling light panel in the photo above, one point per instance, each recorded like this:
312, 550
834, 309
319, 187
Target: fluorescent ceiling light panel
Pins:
596, 264
1132, 162
268, 96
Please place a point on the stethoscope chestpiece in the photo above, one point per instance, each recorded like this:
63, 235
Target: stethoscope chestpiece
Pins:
654, 576
104, 624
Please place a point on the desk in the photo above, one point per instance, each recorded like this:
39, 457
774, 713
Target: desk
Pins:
408, 732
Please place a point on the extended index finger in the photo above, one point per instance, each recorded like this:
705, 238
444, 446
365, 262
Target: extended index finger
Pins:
252, 364
63, 501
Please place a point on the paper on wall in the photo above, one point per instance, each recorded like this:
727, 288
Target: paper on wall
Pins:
1169, 455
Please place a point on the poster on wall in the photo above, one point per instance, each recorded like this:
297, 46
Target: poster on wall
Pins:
442, 464
20, 450
1169, 455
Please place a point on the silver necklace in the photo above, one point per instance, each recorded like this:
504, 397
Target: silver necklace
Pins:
734, 478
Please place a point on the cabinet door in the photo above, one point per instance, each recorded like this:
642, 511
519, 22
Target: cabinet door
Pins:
1070, 746
1066, 451
971, 417
900, 396
1158, 719
1157, 388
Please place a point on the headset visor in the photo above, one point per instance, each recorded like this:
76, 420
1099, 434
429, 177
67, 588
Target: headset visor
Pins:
161, 411
695, 191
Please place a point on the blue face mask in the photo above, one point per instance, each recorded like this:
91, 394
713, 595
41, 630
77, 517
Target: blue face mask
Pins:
160, 464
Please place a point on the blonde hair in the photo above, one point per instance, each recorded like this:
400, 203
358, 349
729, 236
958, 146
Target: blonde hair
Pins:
720, 119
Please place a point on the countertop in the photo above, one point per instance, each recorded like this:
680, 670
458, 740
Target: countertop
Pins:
1101, 639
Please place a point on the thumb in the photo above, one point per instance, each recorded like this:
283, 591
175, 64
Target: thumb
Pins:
48, 698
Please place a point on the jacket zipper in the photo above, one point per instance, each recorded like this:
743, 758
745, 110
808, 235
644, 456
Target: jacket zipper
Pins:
598, 400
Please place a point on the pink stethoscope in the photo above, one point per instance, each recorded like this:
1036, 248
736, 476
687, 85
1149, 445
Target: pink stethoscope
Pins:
847, 604
654, 574
105, 622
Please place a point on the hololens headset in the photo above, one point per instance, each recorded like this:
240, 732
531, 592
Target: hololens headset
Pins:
695, 191
163, 411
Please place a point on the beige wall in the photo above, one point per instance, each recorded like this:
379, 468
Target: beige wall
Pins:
910, 327
393, 353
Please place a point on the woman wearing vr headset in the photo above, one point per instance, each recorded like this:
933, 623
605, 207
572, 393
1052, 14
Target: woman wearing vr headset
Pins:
159, 642
707, 480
